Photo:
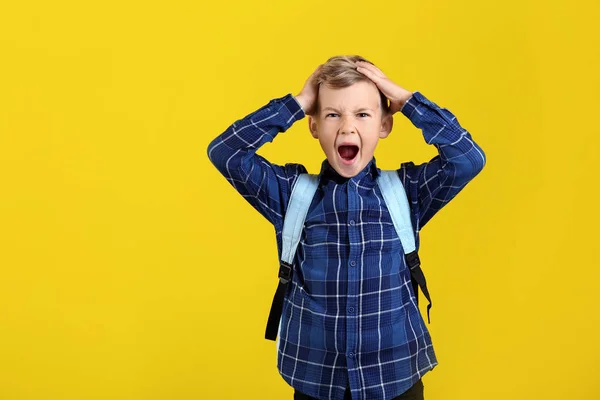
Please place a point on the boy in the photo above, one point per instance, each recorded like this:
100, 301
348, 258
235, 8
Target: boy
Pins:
350, 326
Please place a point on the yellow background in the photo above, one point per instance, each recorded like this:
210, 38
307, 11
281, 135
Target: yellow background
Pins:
130, 269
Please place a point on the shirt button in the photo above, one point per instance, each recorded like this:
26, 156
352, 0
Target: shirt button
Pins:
351, 355
352, 222
352, 263
351, 309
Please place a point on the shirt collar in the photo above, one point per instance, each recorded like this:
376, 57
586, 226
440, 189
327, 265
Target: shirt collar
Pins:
370, 171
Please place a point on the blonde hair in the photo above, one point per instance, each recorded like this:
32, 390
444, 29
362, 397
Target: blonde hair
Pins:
340, 72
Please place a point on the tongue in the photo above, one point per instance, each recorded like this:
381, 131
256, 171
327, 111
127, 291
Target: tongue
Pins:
348, 152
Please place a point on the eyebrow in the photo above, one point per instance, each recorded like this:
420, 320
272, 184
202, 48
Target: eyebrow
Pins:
357, 110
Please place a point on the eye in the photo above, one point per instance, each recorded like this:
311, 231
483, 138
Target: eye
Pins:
363, 115
331, 115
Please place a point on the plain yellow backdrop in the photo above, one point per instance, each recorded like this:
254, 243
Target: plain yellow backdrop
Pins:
131, 270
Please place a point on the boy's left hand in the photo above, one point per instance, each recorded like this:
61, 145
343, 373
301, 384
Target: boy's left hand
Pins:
396, 94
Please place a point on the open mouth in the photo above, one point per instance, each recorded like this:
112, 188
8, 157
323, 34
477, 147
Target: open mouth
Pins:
348, 153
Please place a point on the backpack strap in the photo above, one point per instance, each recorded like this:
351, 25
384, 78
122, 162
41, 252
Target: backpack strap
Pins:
396, 201
303, 192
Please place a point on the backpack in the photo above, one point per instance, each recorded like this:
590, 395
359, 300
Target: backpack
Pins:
303, 192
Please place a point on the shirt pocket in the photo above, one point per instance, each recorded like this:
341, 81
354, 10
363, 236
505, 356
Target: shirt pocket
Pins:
321, 239
378, 233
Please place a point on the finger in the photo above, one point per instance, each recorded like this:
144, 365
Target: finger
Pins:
368, 73
371, 68
377, 70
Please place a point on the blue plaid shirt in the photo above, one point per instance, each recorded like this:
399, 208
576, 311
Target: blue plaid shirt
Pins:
350, 316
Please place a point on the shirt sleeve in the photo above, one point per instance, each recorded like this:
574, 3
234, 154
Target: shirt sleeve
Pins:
431, 185
266, 186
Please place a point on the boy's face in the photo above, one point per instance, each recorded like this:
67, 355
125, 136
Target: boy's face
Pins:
348, 124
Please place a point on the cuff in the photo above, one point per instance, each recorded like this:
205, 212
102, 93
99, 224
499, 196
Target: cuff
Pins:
409, 106
293, 108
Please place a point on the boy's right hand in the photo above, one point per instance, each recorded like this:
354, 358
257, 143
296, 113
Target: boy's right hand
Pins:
307, 98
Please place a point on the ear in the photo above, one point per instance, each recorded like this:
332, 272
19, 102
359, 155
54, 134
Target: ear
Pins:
387, 122
312, 126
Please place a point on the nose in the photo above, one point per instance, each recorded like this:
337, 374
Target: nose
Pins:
347, 125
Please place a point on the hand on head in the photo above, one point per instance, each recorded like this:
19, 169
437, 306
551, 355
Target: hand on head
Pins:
308, 95
395, 94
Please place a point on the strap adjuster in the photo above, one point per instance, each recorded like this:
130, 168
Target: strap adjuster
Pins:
412, 260
285, 272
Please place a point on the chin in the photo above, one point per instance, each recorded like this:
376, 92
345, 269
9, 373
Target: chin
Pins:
346, 175
348, 170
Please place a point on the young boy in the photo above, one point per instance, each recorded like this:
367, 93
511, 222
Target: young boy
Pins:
350, 326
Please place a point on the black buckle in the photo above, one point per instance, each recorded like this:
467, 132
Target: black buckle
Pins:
285, 272
412, 260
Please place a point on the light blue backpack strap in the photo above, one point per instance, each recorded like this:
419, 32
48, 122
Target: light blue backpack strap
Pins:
301, 197
303, 192
397, 203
